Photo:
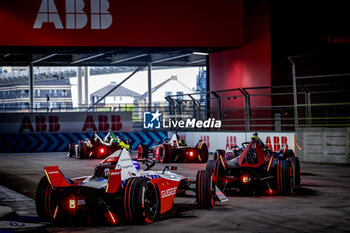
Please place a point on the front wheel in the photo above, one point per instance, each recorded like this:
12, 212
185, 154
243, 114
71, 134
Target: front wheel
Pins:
71, 149
218, 153
219, 174
203, 153
205, 189
165, 153
142, 151
141, 201
83, 151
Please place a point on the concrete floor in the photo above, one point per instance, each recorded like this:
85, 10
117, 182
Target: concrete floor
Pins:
322, 203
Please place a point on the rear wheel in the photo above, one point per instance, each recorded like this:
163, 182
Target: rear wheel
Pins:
203, 153
205, 189
165, 155
141, 201
283, 177
71, 149
83, 151
218, 153
46, 201
142, 151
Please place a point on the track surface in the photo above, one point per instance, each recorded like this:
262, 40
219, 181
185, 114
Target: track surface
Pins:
321, 204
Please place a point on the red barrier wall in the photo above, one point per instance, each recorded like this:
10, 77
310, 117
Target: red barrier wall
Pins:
246, 66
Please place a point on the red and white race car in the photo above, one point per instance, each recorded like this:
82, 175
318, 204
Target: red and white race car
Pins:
119, 190
175, 150
97, 148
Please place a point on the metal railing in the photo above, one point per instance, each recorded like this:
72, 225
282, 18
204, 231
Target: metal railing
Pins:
244, 109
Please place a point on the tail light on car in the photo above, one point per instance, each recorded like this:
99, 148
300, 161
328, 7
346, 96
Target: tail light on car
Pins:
245, 179
72, 204
270, 191
191, 153
102, 150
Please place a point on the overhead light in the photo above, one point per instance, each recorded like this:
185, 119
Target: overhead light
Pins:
200, 53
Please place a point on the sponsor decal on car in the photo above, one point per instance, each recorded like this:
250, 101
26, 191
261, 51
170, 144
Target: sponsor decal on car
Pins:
168, 192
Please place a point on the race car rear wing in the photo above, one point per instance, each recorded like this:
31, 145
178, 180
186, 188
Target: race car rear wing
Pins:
56, 177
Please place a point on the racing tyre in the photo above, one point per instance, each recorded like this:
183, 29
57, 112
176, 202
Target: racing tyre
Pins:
205, 189
218, 153
165, 155
83, 151
219, 172
283, 177
203, 153
210, 166
46, 201
141, 200
71, 149
142, 151
288, 154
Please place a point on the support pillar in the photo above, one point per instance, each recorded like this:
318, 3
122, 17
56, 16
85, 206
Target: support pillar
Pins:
80, 96
295, 94
86, 86
31, 88
149, 87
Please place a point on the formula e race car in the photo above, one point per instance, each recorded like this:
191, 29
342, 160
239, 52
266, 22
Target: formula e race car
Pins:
97, 148
175, 150
119, 190
256, 168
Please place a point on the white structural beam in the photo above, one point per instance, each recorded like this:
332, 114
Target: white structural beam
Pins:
149, 87
31, 87
86, 85
79, 82
39, 59
127, 58
80, 58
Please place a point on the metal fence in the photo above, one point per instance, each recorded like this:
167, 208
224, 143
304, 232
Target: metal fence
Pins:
319, 97
245, 109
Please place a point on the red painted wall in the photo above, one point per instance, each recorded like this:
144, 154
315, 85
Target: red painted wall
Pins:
156, 23
248, 65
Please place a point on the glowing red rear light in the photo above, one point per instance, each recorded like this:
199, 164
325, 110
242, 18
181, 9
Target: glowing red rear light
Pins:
245, 179
191, 153
72, 204
102, 150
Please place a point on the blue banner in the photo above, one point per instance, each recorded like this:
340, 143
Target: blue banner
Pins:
58, 142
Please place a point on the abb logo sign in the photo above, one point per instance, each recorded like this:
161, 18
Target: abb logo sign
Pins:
230, 142
206, 140
103, 124
277, 142
274, 144
40, 124
52, 124
75, 16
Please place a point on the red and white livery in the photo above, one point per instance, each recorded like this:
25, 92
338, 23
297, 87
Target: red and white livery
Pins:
119, 190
